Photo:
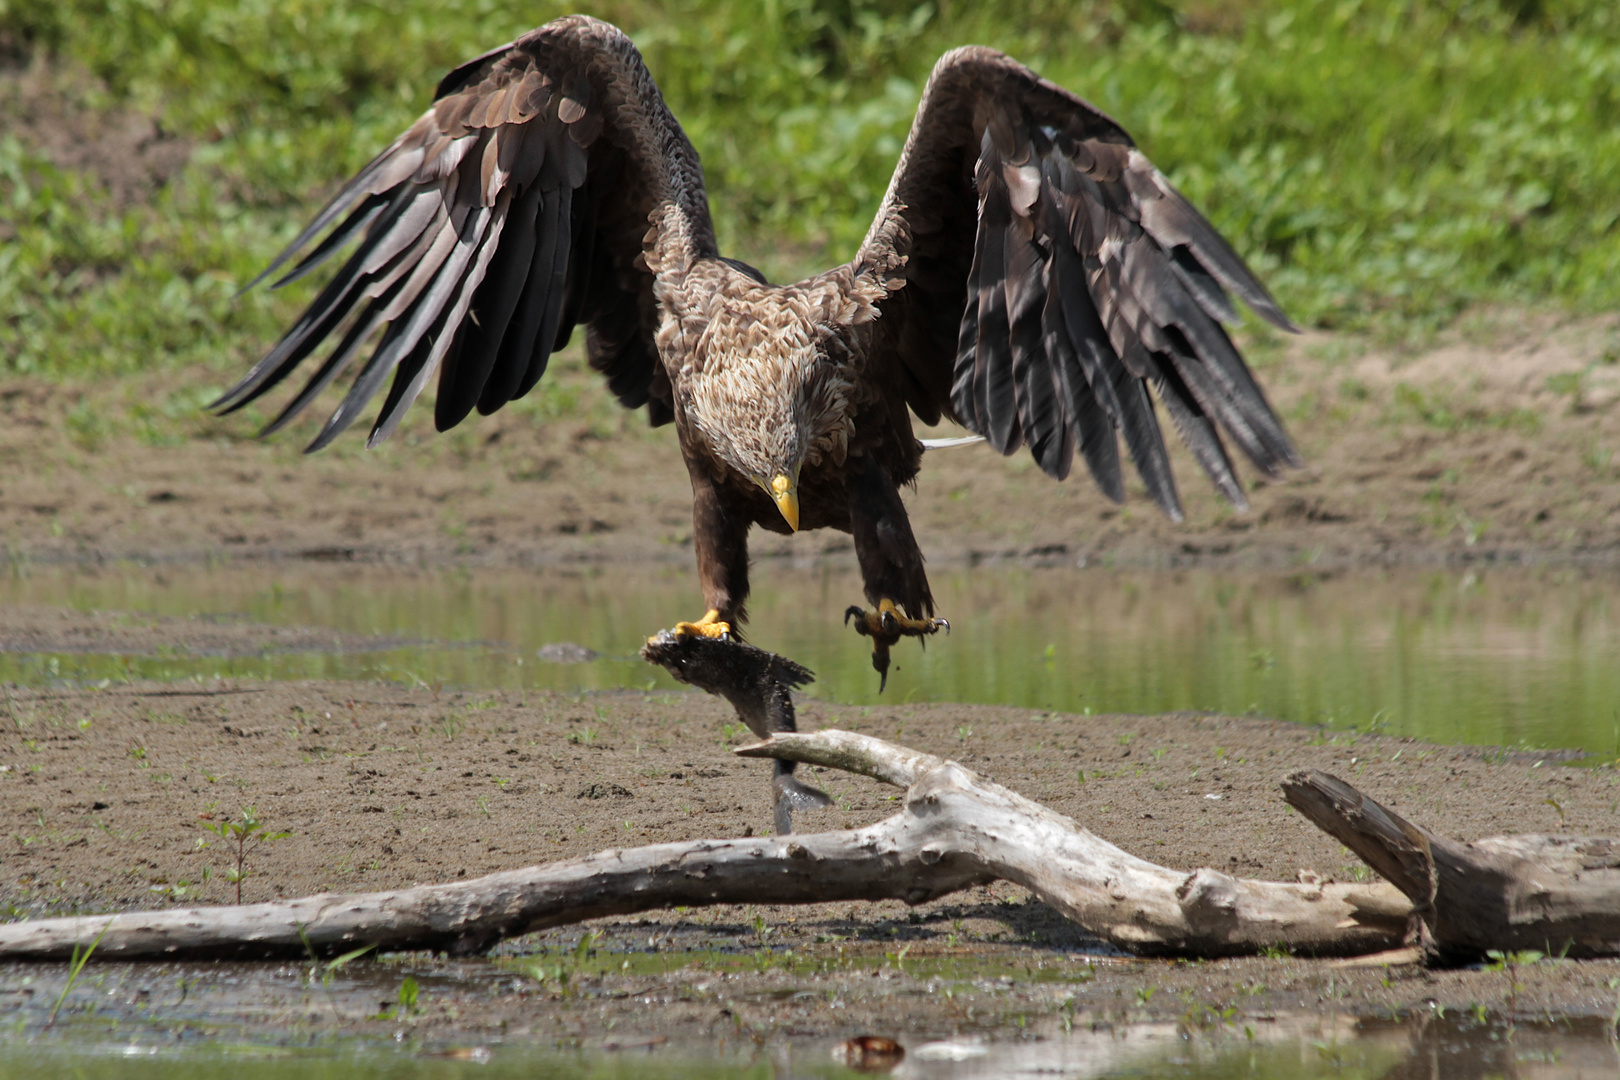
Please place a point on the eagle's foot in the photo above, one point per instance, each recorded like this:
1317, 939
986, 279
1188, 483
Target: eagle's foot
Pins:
710, 626
886, 625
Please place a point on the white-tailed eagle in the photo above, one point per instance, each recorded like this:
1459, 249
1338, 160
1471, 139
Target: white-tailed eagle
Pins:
1029, 274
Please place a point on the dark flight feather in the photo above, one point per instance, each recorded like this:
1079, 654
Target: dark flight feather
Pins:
338, 239
523, 333
995, 402
462, 382
556, 293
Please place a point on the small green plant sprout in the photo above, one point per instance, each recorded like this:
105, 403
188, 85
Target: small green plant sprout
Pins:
338, 963
75, 966
240, 837
1144, 994
560, 973
1509, 964
762, 929
408, 994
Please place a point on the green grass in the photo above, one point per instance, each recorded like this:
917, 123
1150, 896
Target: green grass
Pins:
1383, 163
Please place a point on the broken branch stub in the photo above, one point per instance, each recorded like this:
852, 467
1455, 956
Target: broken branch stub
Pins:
1559, 894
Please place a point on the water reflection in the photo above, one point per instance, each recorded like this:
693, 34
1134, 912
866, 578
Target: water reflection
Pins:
1504, 656
1301, 1047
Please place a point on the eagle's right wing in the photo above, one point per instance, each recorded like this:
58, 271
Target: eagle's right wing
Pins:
1039, 275
541, 190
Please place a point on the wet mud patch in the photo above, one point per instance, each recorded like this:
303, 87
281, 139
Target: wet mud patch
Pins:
602, 1012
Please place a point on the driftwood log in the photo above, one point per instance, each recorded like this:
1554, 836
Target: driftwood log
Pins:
955, 829
1557, 894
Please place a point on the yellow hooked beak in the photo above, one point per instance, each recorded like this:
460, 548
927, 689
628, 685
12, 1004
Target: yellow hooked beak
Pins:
786, 494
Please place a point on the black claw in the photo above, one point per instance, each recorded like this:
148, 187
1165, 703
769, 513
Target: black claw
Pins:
946, 623
858, 614
880, 664
891, 625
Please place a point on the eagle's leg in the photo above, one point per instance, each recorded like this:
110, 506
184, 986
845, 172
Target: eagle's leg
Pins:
720, 537
891, 567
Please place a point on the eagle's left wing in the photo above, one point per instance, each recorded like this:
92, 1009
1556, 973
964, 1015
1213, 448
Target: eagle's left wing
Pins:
542, 190
1038, 274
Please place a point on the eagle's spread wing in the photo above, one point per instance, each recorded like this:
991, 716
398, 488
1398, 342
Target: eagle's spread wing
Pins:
1040, 273
515, 208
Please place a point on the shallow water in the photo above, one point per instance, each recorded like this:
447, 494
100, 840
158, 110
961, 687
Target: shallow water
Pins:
1497, 657
1278, 1047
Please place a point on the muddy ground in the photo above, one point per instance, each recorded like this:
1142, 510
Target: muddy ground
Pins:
105, 796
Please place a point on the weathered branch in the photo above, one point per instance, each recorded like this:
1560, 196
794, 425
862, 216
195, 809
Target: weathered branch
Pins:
1137, 905
468, 917
1555, 893
955, 829
848, 752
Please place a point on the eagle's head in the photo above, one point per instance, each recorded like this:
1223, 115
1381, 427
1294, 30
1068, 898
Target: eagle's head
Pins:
767, 411
759, 427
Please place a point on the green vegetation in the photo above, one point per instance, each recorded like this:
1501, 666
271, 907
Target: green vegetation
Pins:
81, 957
1384, 163
239, 837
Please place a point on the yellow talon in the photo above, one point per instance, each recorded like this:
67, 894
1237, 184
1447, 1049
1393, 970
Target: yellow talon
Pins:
710, 626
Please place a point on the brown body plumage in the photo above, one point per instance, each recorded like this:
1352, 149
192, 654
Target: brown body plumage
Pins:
1029, 274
